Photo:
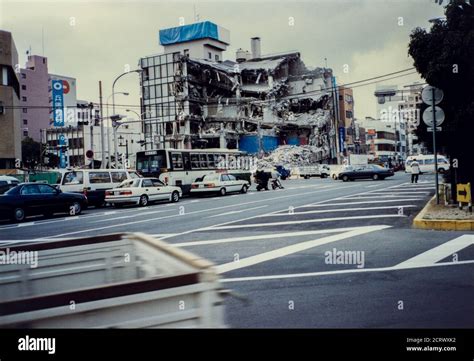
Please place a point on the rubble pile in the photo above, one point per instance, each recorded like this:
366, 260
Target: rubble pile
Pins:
291, 156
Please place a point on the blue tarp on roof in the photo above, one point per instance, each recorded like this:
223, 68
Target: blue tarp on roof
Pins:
184, 33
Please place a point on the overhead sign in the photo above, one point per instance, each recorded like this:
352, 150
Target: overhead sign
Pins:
428, 116
342, 137
427, 95
62, 141
58, 103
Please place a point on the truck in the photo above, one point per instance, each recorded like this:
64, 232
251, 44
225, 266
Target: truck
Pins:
358, 159
123, 280
316, 170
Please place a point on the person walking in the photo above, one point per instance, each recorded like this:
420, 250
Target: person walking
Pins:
415, 171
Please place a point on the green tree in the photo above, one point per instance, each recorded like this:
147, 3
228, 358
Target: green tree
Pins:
30, 150
444, 57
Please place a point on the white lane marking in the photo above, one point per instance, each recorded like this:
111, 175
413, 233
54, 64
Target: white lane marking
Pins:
375, 185
364, 202
264, 236
438, 253
380, 196
140, 214
338, 272
194, 201
251, 217
339, 210
213, 228
399, 192
177, 215
239, 211
294, 248
162, 235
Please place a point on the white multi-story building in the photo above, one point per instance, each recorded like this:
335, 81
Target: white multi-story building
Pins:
380, 137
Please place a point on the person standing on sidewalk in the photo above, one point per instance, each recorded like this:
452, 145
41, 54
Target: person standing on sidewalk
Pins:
415, 171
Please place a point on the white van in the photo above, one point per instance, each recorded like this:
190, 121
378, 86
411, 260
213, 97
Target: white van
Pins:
94, 182
426, 162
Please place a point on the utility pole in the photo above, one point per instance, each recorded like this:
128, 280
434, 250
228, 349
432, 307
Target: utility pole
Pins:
91, 118
102, 137
433, 103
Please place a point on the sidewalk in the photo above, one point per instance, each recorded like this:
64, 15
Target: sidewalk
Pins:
444, 218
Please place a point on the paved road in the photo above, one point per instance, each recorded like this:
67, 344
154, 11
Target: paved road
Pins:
319, 253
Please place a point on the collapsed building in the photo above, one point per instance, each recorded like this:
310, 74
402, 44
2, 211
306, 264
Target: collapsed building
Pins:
193, 99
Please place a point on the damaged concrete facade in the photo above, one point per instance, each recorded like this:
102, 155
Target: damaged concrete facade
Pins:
253, 104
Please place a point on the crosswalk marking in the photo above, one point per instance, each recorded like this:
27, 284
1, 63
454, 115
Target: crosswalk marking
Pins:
436, 254
337, 210
264, 236
294, 248
253, 225
363, 202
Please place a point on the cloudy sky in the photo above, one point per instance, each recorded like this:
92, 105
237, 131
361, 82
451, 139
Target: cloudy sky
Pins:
97, 40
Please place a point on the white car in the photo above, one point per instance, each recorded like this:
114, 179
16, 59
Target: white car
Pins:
7, 182
141, 191
220, 183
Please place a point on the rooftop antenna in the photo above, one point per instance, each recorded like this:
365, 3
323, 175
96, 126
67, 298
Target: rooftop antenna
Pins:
42, 38
196, 15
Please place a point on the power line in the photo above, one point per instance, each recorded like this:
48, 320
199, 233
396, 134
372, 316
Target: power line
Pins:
352, 85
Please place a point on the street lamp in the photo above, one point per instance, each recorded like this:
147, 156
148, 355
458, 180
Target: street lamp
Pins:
108, 132
140, 117
115, 81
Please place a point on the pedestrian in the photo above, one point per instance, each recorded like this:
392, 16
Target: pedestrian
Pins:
415, 171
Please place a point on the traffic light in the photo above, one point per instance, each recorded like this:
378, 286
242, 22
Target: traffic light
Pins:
97, 117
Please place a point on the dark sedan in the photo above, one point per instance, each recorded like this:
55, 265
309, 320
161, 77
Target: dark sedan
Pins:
370, 171
29, 199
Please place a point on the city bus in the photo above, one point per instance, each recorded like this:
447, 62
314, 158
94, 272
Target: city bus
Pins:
181, 167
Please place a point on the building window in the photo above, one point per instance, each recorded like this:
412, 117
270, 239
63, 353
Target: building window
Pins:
25, 110
23, 87
23, 98
209, 55
23, 75
25, 121
25, 133
217, 57
348, 114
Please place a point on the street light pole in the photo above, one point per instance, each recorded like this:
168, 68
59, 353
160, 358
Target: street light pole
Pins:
115, 81
434, 143
108, 132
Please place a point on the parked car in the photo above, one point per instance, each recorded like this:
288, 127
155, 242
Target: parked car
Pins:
94, 182
142, 191
373, 171
337, 169
221, 183
28, 199
7, 182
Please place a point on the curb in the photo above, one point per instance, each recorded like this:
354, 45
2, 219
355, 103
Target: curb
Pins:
441, 224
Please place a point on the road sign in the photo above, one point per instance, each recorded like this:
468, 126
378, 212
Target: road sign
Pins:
464, 193
428, 116
430, 129
427, 95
